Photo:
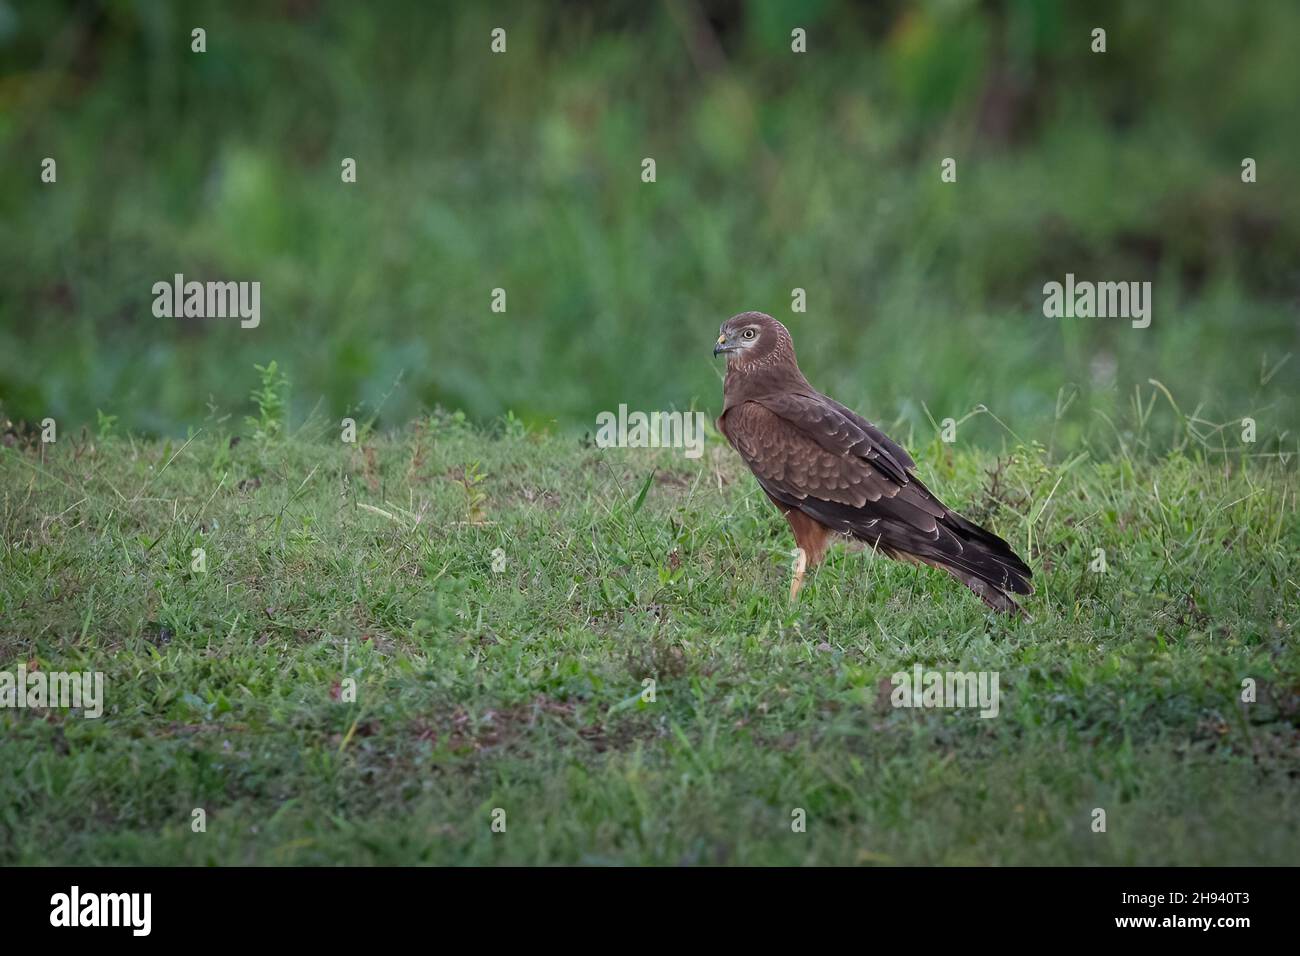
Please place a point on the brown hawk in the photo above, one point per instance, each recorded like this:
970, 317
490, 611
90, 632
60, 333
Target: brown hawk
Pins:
831, 472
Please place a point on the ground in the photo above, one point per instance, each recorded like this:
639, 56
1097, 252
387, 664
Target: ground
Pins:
515, 679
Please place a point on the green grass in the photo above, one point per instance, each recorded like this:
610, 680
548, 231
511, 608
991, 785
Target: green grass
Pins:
519, 689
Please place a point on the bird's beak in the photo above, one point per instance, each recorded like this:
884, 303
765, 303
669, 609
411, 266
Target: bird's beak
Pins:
721, 346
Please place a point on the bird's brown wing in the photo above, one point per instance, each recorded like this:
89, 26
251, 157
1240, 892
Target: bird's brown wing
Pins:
842, 430
818, 454
811, 453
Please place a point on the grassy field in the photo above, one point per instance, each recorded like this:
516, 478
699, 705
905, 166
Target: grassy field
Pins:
498, 589
521, 688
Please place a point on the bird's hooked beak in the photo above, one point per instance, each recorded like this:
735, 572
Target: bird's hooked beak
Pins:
723, 345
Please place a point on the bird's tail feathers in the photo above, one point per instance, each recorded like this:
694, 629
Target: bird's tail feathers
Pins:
974, 556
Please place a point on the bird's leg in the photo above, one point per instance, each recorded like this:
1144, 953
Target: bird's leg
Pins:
800, 565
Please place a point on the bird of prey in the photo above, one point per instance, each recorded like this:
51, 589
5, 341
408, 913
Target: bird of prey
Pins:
832, 473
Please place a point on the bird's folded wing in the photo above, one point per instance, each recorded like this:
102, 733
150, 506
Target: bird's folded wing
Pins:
841, 430
810, 453
823, 455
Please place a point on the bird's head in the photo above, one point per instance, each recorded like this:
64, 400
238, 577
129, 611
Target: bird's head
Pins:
751, 338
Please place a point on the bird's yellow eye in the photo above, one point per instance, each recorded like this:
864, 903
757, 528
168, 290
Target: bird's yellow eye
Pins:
749, 333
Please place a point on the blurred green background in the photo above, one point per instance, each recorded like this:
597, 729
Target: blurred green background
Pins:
774, 171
